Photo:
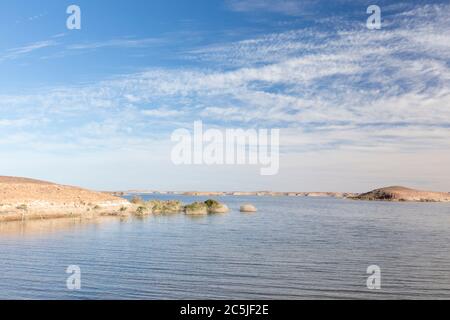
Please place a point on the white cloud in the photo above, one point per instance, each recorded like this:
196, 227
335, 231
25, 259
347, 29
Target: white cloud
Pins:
356, 92
162, 112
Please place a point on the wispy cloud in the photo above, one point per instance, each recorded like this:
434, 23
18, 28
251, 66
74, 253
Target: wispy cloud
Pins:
18, 52
117, 43
303, 7
288, 7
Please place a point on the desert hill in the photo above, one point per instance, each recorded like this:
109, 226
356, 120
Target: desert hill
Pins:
14, 189
29, 198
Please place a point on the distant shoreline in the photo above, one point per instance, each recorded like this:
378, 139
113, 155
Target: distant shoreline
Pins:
27, 199
234, 193
388, 194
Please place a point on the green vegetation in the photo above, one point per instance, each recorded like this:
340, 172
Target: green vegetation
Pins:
216, 207
158, 207
162, 207
175, 206
212, 204
142, 211
196, 208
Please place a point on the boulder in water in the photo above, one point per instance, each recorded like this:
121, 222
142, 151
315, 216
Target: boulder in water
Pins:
248, 208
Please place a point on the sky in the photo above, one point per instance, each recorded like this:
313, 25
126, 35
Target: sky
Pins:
357, 109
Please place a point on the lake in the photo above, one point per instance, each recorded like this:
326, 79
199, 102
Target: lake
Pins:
292, 248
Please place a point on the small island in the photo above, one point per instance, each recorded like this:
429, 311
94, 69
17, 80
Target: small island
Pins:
403, 194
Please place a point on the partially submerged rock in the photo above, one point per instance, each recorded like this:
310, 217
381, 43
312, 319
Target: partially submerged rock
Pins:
145, 208
173, 206
248, 208
216, 207
222, 208
207, 207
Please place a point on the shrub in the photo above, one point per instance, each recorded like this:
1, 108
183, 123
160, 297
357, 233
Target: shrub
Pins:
158, 206
141, 210
211, 204
196, 208
172, 206
137, 200
196, 205
23, 207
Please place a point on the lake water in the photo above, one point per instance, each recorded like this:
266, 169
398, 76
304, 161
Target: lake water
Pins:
293, 248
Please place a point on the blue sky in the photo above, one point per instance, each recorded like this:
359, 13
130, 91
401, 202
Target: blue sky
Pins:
358, 108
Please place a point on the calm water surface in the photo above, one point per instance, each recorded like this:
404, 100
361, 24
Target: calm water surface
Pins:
293, 248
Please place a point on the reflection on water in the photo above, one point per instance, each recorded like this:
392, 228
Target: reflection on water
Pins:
37, 228
293, 248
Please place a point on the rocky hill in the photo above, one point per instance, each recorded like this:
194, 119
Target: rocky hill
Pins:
397, 193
